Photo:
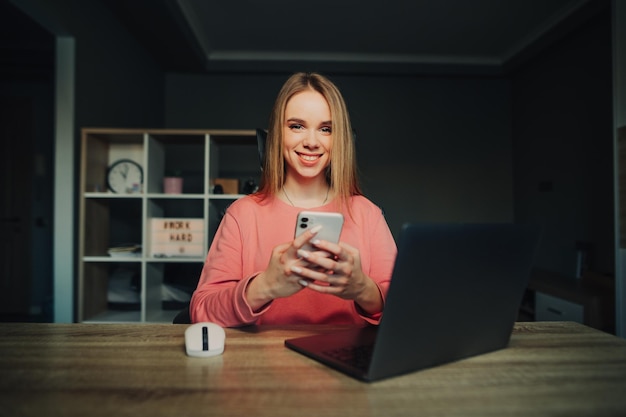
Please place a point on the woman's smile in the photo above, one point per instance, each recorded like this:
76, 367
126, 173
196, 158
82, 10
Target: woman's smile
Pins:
309, 157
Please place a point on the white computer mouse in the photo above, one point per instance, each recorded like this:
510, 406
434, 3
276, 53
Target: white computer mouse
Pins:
204, 339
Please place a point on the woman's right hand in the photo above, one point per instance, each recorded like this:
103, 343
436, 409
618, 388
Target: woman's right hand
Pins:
278, 280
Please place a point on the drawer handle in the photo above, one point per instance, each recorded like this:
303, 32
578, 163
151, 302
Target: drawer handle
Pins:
554, 311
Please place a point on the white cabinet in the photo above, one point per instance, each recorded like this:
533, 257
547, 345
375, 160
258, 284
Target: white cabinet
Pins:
549, 308
131, 286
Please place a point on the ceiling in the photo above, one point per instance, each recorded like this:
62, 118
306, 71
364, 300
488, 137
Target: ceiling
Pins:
356, 36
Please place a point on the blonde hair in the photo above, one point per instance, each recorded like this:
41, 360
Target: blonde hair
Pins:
341, 174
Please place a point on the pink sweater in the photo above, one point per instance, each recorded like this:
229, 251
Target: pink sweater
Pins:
242, 248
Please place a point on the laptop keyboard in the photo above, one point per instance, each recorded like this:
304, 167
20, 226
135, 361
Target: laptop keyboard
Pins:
356, 356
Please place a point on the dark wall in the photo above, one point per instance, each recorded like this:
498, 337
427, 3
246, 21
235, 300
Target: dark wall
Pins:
117, 84
440, 149
117, 81
563, 147
429, 149
26, 70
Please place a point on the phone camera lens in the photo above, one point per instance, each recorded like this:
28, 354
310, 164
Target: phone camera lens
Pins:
303, 225
305, 219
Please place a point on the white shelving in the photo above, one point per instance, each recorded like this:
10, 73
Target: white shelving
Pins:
108, 219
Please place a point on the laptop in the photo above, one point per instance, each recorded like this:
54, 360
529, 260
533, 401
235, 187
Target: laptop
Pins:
455, 293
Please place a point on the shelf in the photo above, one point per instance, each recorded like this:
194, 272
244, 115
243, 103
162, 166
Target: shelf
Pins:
107, 219
163, 196
112, 259
163, 316
225, 196
176, 196
108, 194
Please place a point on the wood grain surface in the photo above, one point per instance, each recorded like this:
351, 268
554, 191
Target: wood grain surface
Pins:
549, 369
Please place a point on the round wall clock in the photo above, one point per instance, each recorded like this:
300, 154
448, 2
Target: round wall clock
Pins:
125, 176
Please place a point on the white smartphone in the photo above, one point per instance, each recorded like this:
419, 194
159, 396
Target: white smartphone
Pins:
331, 226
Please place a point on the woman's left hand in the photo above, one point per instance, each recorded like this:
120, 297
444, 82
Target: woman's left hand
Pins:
336, 269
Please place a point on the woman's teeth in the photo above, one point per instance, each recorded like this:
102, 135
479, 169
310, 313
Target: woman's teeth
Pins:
309, 157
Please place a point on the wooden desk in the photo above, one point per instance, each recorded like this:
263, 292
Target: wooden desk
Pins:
142, 370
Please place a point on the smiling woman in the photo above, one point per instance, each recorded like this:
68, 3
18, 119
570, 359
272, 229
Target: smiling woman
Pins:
307, 145
302, 93
257, 270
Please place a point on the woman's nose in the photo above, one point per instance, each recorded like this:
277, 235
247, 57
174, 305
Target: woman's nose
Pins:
311, 140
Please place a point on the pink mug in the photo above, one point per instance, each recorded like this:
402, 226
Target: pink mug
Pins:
173, 185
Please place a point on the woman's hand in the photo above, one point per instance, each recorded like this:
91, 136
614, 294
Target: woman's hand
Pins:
339, 274
279, 280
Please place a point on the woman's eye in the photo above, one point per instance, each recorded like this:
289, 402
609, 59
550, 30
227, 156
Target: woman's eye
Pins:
296, 126
326, 129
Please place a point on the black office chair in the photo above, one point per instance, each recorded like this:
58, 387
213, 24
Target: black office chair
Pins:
183, 317
261, 138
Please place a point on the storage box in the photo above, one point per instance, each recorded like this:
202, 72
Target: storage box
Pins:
229, 185
176, 237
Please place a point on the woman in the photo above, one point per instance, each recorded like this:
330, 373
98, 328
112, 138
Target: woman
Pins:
255, 271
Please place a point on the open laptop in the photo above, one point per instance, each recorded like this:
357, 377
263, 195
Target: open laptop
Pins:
455, 292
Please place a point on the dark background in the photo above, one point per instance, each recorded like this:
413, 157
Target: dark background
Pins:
531, 143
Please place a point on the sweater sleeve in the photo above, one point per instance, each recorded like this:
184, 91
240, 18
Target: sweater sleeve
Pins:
382, 252
220, 295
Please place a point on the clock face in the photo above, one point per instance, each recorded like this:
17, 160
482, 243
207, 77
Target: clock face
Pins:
125, 176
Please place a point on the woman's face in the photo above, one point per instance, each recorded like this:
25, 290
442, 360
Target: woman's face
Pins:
307, 135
